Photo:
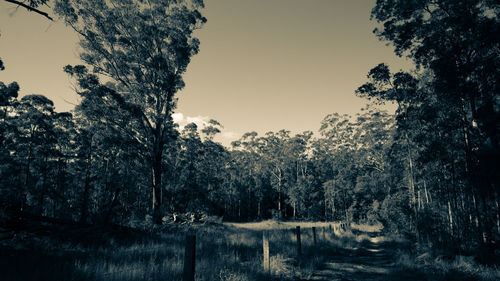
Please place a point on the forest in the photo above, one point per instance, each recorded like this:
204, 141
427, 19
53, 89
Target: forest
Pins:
428, 171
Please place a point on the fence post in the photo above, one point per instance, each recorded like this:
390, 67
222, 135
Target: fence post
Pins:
314, 235
265, 247
189, 258
299, 246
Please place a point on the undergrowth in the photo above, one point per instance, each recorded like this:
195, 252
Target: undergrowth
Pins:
126, 254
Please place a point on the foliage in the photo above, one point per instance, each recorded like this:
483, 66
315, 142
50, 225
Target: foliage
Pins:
427, 172
144, 48
447, 113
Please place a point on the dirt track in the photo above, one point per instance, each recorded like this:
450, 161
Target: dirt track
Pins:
370, 259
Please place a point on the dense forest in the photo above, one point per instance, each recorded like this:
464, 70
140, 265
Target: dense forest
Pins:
429, 171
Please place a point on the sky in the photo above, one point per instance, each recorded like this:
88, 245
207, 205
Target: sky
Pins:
264, 65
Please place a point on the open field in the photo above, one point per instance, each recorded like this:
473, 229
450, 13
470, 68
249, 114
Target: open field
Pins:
232, 251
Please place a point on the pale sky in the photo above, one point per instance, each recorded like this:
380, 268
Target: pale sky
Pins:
264, 65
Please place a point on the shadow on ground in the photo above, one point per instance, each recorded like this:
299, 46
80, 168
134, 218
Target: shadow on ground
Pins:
373, 258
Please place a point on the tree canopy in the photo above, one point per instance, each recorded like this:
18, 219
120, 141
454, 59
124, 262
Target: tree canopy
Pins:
144, 47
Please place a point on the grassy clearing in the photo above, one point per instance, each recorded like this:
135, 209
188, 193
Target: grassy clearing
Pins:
223, 252
275, 225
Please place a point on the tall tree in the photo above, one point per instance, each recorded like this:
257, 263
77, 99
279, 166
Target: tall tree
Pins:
448, 113
144, 47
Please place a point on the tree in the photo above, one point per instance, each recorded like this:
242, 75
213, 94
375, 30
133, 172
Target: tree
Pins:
273, 148
8, 166
447, 110
144, 47
36, 142
250, 166
300, 192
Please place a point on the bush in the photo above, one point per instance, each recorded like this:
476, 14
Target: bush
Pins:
395, 213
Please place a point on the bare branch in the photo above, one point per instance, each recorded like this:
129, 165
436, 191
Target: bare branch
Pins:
31, 9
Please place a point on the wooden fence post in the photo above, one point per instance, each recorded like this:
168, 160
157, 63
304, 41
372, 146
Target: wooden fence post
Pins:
189, 258
314, 235
299, 246
265, 247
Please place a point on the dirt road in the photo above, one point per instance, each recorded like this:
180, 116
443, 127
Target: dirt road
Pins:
370, 259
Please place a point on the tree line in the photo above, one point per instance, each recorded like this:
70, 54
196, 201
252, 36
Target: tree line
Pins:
429, 171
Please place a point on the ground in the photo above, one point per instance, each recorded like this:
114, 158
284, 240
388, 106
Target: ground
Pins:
224, 252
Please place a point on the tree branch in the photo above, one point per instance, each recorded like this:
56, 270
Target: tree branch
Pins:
31, 9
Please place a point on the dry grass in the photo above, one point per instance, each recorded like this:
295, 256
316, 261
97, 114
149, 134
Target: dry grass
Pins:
367, 227
274, 224
458, 268
223, 252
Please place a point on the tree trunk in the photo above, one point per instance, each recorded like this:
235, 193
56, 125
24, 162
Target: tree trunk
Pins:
325, 210
426, 194
239, 208
26, 176
43, 187
258, 208
294, 209
472, 179
411, 179
114, 202
333, 209
157, 176
345, 205
498, 212
279, 195
450, 217
86, 189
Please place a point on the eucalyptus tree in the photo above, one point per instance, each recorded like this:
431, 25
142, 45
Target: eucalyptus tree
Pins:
351, 158
211, 129
300, 193
63, 176
374, 137
456, 41
192, 151
333, 155
143, 48
112, 163
273, 149
34, 145
252, 163
214, 162
424, 139
8, 167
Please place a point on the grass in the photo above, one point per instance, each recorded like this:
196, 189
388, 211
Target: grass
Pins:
223, 252
462, 268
